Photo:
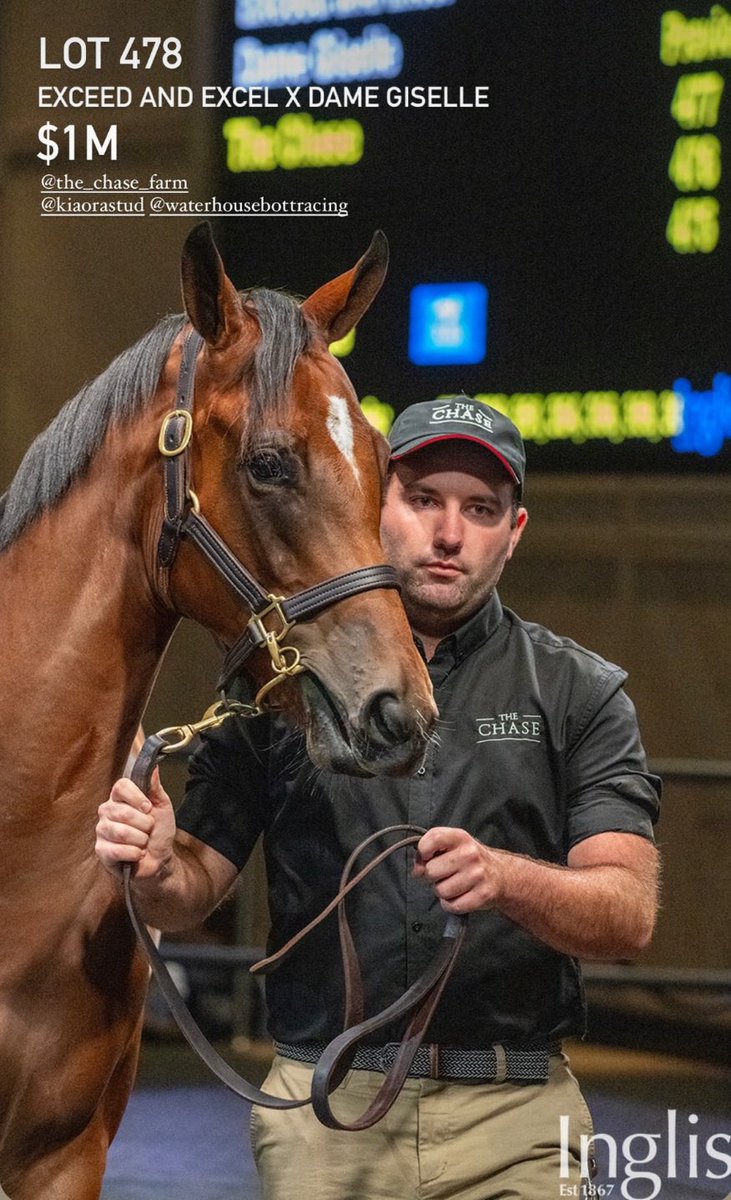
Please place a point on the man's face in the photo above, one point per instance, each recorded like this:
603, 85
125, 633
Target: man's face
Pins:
448, 528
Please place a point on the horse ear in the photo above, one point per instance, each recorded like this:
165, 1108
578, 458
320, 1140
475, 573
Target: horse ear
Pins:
211, 300
337, 306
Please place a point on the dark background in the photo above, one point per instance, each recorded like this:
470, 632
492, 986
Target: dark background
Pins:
556, 197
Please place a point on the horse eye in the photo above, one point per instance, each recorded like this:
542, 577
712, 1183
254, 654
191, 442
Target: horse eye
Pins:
267, 466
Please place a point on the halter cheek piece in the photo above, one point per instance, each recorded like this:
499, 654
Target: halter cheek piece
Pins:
183, 518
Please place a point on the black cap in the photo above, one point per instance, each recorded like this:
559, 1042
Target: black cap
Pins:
460, 417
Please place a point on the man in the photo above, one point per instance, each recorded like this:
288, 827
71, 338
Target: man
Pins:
539, 813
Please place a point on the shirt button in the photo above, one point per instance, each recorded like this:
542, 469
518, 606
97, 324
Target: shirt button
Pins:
417, 926
421, 771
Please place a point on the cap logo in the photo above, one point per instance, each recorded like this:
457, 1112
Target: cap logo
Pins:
457, 410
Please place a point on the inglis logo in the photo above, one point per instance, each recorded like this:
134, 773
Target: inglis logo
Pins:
509, 727
457, 410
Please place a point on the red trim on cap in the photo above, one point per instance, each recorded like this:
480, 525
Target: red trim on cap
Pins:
460, 437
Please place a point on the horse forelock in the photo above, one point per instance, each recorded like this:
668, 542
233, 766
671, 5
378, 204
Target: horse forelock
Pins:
63, 451
284, 335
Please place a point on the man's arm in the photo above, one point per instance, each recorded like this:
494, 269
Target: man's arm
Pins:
177, 880
603, 904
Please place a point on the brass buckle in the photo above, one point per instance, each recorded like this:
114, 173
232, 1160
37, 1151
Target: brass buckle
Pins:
187, 432
260, 635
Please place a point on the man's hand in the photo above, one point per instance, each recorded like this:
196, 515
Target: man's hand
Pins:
466, 875
132, 828
601, 905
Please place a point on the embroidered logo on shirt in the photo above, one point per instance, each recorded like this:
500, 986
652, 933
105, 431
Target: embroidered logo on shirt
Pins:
509, 727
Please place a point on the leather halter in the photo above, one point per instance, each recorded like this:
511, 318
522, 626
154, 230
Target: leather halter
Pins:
183, 518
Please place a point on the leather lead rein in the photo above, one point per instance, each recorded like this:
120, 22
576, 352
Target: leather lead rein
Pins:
419, 1002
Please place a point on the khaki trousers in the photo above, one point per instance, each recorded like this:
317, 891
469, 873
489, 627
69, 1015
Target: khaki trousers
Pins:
440, 1141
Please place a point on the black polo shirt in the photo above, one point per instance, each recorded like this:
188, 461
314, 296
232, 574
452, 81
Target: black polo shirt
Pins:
536, 748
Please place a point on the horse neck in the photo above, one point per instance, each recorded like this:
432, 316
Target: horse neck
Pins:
85, 633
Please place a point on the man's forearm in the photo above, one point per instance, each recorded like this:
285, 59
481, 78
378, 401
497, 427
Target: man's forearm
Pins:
182, 893
600, 911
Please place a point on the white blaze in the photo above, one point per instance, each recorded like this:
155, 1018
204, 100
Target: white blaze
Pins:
340, 428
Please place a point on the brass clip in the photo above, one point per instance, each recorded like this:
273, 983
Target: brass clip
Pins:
284, 670
214, 716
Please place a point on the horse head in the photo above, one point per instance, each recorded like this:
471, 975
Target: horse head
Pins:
289, 474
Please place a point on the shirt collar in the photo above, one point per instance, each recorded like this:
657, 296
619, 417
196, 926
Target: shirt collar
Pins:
464, 641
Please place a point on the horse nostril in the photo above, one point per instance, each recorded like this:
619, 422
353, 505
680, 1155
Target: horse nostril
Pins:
387, 718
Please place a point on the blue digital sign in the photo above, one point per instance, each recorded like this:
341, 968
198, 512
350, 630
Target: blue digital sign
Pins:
706, 419
331, 55
448, 324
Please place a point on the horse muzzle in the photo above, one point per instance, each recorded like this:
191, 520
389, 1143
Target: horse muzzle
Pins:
387, 736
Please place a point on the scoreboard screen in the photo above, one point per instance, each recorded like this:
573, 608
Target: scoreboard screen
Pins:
554, 183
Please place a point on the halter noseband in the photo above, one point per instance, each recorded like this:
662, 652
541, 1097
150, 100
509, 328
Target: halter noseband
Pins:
184, 518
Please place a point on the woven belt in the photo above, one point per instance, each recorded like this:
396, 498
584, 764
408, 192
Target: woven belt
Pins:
499, 1064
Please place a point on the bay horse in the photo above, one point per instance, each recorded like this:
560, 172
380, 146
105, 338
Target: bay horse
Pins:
289, 473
